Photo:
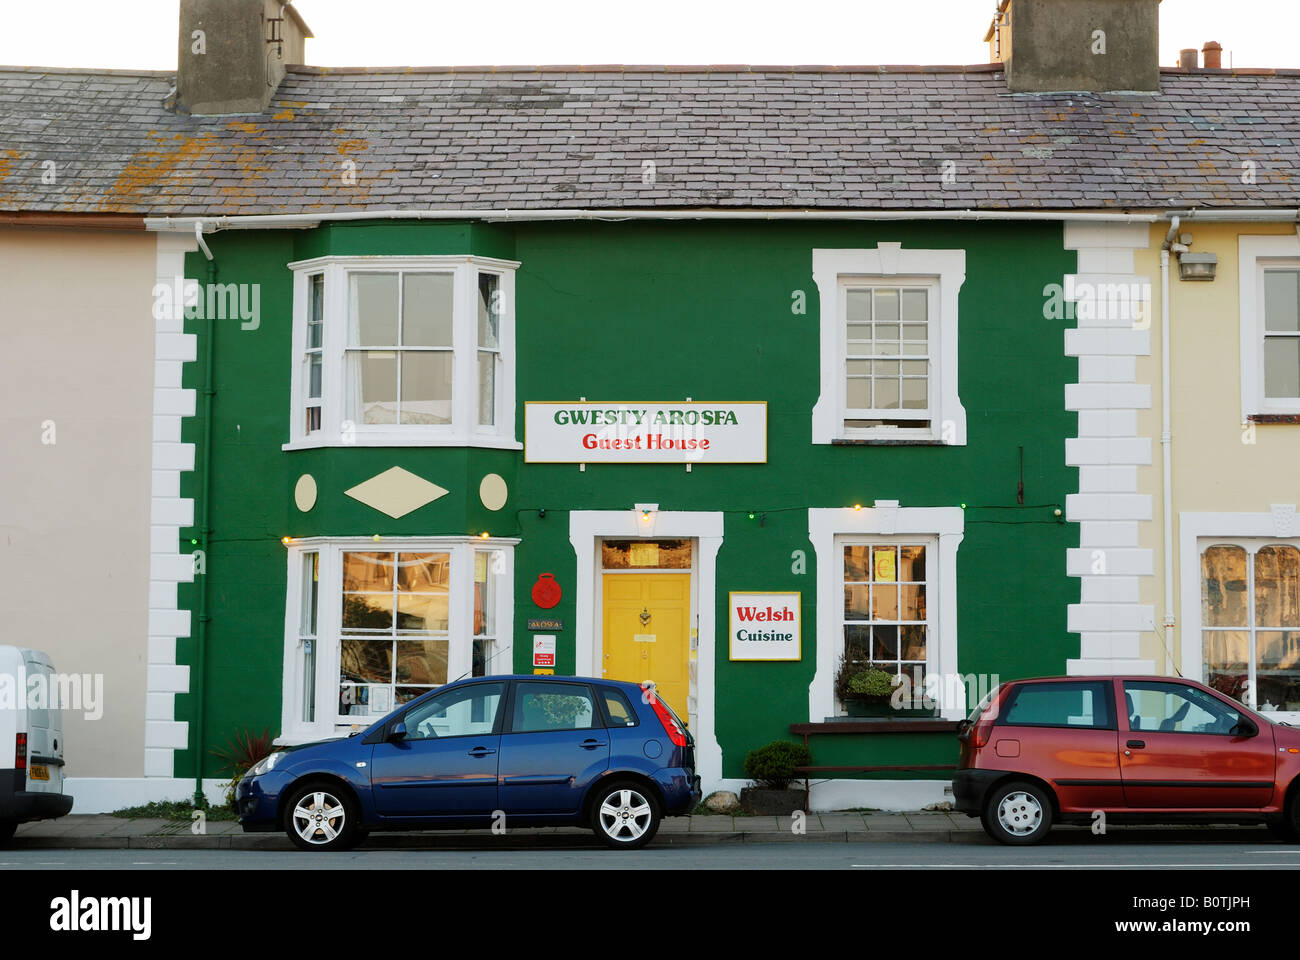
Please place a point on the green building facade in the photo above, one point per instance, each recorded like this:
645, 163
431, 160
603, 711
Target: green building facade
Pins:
886, 463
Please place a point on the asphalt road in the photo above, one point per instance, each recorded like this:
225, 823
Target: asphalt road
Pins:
1071, 854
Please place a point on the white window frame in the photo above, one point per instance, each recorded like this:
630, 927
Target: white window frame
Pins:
1196, 531
830, 530
460, 625
944, 271
464, 430
1255, 255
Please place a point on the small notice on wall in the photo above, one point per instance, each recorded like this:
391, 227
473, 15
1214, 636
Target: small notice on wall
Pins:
765, 626
544, 650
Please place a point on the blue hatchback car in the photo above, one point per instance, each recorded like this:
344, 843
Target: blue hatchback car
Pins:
528, 751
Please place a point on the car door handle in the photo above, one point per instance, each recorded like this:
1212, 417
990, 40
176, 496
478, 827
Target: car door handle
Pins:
591, 744
1136, 744
481, 752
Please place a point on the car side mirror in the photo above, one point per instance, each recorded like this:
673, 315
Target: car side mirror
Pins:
397, 731
1244, 728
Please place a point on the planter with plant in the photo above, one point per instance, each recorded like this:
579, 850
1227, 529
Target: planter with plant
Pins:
868, 691
773, 768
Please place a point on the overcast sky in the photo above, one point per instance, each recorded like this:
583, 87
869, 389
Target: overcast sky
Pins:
142, 33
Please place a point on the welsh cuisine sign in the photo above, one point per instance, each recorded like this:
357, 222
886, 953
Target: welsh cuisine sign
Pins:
689, 432
765, 626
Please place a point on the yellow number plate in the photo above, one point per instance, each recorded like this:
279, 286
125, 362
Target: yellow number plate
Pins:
40, 773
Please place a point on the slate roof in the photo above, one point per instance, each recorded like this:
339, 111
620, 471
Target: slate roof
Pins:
581, 137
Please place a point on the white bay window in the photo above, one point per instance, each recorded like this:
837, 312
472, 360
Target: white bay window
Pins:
396, 351
371, 625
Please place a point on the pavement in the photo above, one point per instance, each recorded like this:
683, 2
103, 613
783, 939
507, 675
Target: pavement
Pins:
106, 832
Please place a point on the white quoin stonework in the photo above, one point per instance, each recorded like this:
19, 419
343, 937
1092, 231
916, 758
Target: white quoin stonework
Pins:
168, 513
1112, 307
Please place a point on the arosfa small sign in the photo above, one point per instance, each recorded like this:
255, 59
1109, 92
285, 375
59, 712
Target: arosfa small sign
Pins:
765, 626
692, 432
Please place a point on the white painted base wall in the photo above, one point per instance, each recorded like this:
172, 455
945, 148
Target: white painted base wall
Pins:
892, 795
105, 794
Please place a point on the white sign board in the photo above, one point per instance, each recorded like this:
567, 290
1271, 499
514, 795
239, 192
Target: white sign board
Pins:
543, 650
765, 626
694, 432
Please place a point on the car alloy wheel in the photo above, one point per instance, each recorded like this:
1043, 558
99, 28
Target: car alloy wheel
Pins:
626, 816
320, 818
1018, 813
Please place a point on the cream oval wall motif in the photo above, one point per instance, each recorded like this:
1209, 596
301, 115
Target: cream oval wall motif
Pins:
304, 492
493, 491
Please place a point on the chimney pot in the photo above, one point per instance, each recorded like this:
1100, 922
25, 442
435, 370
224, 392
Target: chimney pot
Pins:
1188, 58
1213, 55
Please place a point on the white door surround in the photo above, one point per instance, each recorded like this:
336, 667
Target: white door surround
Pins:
586, 529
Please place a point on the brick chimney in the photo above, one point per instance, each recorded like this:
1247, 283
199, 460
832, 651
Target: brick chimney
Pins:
1087, 45
232, 54
1213, 55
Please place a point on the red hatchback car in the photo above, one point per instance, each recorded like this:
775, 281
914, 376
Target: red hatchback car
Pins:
1145, 749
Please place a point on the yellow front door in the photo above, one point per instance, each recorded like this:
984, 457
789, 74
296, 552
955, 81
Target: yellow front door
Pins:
647, 623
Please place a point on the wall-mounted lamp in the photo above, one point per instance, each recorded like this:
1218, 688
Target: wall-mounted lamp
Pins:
645, 515
1197, 266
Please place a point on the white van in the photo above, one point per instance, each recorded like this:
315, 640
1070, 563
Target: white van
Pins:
31, 741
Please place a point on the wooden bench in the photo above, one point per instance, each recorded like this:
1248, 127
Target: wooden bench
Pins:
841, 727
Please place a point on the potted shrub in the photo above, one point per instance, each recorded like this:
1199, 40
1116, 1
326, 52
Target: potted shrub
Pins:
865, 691
772, 768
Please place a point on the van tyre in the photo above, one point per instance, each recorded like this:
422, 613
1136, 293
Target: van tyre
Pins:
322, 816
7, 828
625, 815
1017, 812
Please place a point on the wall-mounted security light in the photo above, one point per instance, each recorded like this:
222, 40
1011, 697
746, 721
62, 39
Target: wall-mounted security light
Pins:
1197, 266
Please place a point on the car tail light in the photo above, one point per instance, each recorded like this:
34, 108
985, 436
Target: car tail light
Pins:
671, 727
984, 725
20, 752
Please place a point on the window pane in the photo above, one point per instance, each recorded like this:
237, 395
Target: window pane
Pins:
1226, 654
1175, 708
857, 643
376, 374
912, 641
423, 572
911, 564
489, 310
858, 393
553, 706
884, 602
857, 563
313, 376
367, 571
915, 394
657, 554
884, 643
1282, 299
427, 310
365, 700
373, 310
487, 388
886, 395
310, 593
463, 712
1277, 587
422, 612
858, 306
886, 308
856, 602
315, 310
859, 339
363, 612
619, 710
1277, 670
912, 600
366, 661
914, 306
484, 596
426, 387
1282, 366
1223, 587
422, 661
1081, 704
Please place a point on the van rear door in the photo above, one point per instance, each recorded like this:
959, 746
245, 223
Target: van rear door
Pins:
44, 724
